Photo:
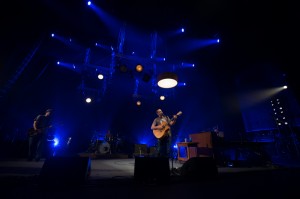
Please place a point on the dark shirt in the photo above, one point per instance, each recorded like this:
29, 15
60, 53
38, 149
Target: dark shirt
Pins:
42, 121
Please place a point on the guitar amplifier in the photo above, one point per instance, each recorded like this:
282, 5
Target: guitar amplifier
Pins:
152, 151
140, 150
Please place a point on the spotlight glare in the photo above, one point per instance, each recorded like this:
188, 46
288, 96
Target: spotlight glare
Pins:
88, 100
56, 141
100, 76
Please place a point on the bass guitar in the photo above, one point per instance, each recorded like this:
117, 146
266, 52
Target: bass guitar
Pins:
160, 133
33, 132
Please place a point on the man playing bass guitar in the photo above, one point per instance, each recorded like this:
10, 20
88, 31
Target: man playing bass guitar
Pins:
37, 136
162, 131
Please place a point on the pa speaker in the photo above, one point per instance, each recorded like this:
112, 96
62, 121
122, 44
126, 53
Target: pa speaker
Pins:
198, 168
152, 169
65, 171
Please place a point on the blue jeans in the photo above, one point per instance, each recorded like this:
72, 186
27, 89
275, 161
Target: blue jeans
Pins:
36, 145
164, 146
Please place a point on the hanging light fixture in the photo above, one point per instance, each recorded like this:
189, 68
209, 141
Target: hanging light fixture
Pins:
167, 80
139, 68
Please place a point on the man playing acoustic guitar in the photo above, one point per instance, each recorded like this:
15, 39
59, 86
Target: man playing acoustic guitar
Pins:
162, 131
37, 135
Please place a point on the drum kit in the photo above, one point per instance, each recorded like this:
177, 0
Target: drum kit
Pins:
104, 144
103, 147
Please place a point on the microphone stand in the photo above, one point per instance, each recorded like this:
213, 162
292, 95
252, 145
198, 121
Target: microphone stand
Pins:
172, 155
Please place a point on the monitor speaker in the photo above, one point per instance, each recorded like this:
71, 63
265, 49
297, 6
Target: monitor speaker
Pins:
198, 168
152, 169
58, 171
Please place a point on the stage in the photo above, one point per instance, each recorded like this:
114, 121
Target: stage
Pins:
116, 178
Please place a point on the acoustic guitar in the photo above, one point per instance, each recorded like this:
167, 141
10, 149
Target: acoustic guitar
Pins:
160, 133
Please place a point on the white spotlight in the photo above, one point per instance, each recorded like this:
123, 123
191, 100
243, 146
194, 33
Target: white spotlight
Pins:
88, 100
100, 76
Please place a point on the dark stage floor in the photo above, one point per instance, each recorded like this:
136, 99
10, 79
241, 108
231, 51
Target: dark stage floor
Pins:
124, 178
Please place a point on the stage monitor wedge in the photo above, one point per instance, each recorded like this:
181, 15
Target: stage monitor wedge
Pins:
65, 171
152, 169
199, 168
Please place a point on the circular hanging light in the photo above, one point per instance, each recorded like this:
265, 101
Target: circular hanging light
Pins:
139, 68
167, 80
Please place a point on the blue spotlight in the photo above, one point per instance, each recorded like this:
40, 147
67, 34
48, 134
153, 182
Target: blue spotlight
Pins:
187, 65
52, 35
182, 29
181, 84
56, 142
66, 65
89, 3
160, 59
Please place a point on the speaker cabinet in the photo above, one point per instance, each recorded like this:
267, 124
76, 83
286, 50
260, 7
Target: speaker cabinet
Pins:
152, 169
152, 151
58, 171
140, 150
198, 168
